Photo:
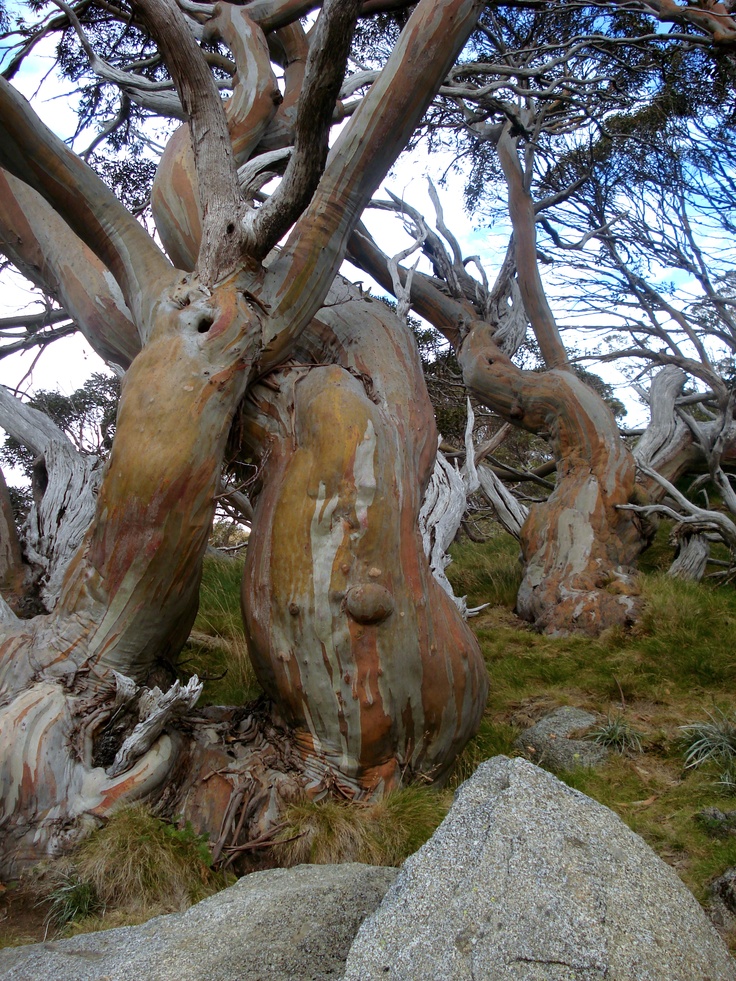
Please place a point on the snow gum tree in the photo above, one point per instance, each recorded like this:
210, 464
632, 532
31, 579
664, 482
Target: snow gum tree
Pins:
240, 330
374, 676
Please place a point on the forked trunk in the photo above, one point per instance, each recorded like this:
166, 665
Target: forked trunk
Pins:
373, 675
372, 672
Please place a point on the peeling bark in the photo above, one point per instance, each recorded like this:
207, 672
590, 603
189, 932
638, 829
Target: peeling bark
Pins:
511, 513
393, 683
692, 556
398, 684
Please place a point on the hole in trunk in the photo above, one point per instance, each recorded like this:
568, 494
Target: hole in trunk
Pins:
204, 324
39, 479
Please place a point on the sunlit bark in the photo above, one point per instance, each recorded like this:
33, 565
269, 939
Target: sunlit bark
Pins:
336, 564
416, 685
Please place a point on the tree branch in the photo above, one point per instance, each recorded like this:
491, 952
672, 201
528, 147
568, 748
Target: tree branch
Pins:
222, 205
325, 69
521, 211
43, 247
369, 144
32, 153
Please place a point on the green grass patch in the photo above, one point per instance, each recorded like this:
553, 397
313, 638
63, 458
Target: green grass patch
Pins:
677, 667
217, 650
487, 573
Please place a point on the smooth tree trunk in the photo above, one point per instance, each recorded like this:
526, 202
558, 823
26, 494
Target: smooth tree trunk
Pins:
578, 548
393, 683
336, 563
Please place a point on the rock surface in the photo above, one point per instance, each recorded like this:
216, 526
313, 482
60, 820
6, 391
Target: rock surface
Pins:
529, 880
280, 925
548, 743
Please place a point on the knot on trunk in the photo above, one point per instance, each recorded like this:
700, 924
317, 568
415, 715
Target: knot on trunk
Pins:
369, 602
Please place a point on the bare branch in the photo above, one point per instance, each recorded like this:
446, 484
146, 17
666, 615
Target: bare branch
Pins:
367, 147
325, 69
43, 247
222, 206
31, 152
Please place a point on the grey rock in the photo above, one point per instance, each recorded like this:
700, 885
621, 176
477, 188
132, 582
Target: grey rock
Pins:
718, 823
280, 925
722, 905
548, 743
529, 880
724, 889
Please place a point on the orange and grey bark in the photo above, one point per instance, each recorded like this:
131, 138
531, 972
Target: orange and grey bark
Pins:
129, 595
41, 245
175, 197
365, 656
578, 548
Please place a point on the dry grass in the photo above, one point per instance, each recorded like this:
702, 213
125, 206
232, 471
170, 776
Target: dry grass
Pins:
135, 867
381, 833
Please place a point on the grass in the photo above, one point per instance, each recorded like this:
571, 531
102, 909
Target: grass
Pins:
488, 573
217, 650
666, 690
675, 669
135, 867
617, 733
713, 741
383, 833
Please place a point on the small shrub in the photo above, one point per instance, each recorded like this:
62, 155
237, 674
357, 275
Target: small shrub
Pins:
617, 733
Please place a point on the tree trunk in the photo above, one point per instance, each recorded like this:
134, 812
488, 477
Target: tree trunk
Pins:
398, 685
578, 548
129, 596
64, 484
12, 570
373, 673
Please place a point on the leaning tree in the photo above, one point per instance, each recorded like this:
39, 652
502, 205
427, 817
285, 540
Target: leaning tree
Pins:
241, 334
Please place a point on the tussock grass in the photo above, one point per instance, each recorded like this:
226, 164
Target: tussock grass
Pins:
688, 632
135, 867
383, 833
617, 733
